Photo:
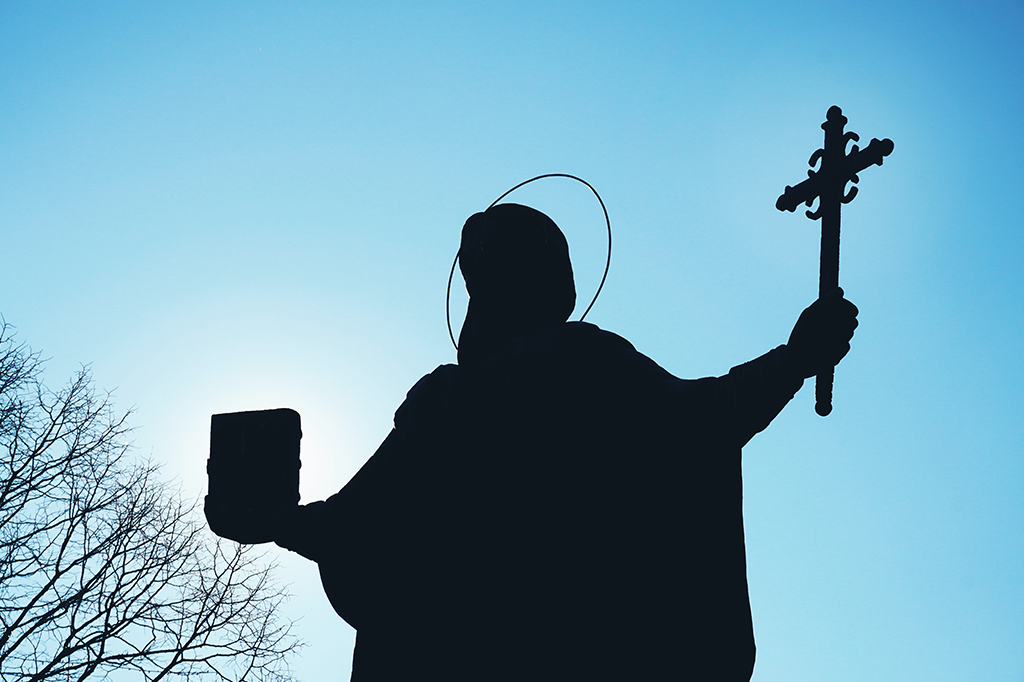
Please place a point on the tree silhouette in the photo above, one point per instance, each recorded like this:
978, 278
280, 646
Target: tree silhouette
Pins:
103, 566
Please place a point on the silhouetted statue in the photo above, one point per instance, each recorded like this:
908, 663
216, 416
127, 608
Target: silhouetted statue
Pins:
556, 506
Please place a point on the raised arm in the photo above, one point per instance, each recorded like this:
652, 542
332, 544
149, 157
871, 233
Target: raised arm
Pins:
756, 391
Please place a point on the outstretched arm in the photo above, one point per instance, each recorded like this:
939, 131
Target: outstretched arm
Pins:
314, 530
357, 517
756, 391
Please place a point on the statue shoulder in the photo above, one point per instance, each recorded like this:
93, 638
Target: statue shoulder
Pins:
616, 356
428, 394
592, 336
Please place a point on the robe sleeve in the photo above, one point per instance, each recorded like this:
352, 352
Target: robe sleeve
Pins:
752, 394
311, 530
374, 492
729, 409
733, 408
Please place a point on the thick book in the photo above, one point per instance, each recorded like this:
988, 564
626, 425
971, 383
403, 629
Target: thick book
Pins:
253, 472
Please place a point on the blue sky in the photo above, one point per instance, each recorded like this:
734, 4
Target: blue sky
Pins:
228, 206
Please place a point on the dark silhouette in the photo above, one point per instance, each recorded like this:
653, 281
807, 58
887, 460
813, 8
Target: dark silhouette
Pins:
253, 472
556, 506
828, 186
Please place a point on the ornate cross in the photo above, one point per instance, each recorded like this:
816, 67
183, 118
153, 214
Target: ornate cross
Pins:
828, 185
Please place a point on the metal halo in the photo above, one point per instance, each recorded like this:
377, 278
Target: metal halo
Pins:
607, 263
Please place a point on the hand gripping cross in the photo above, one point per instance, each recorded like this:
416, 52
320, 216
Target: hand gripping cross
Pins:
828, 185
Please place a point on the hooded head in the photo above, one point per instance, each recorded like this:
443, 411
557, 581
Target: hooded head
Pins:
516, 264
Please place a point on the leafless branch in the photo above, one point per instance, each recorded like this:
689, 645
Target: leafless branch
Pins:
105, 567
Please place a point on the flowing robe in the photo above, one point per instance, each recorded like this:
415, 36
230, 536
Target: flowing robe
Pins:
563, 509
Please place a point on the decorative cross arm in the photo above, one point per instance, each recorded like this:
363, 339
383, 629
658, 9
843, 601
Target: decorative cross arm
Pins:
857, 160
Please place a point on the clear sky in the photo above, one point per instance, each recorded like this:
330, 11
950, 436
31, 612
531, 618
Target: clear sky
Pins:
229, 206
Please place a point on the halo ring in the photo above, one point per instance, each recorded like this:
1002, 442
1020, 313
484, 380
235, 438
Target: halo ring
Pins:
607, 263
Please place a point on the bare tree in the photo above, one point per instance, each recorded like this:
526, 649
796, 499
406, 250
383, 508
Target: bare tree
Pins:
103, 567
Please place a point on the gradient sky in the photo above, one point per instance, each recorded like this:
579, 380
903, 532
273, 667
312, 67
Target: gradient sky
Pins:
230, 206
